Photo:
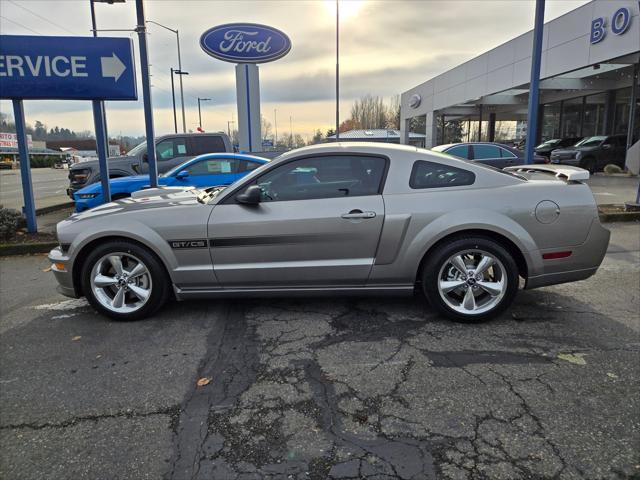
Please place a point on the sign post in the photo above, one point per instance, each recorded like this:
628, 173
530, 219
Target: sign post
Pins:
29, 208
64, 68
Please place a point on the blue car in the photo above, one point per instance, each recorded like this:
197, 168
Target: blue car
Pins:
206, 170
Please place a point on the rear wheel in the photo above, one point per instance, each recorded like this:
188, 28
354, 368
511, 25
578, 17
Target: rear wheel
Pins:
470, 279
124, 281
589, 163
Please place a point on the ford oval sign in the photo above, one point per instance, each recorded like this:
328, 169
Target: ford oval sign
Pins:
245, 43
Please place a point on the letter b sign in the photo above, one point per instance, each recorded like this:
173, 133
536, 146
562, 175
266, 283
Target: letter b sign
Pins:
620, 22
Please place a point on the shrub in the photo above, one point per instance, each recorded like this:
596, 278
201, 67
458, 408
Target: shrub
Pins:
10, 221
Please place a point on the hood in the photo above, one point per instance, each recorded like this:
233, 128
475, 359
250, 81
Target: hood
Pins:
130, 205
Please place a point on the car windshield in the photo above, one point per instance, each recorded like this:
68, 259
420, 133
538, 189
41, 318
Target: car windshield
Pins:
590, 142
137, 149
549, 143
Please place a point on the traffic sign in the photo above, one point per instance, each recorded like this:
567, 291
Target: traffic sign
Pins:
80, 68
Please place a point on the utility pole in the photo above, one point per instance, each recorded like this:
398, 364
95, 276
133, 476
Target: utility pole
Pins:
337, 70
200, 111
290, 131
534, 84
173, 98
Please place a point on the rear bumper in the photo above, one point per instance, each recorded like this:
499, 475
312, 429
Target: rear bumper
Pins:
583, 262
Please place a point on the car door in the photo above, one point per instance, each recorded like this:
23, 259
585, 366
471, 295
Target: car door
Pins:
317, 225
508, 158
170, 153
208, 173
488, 154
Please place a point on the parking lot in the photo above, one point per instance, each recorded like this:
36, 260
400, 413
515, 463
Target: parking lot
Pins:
317, 388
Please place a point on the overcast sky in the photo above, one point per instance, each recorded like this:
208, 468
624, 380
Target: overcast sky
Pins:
386, 48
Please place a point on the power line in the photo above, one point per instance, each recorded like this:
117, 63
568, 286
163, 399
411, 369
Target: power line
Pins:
20, 25
42, 18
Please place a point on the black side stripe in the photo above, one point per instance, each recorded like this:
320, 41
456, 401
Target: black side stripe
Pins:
273, 240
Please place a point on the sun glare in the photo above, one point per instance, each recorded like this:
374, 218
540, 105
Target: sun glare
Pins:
348, 8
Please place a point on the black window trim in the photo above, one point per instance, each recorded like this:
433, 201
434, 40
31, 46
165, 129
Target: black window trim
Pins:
230, 198
416, 165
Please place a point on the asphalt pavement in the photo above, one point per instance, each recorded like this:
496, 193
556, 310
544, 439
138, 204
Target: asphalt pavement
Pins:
324, 388
49, 187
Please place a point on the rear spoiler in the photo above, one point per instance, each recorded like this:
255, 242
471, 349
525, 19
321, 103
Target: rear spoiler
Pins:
566, 172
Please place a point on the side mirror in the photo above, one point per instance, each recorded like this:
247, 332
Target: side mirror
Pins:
182, 174
251, 196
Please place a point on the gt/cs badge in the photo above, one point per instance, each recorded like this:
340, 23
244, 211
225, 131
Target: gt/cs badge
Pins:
188, 243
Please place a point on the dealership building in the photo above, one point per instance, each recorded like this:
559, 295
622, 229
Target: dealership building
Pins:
589, 82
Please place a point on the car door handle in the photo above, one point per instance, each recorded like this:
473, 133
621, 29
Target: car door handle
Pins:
358, 214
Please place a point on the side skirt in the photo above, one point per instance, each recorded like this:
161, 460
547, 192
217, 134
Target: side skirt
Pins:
389, 290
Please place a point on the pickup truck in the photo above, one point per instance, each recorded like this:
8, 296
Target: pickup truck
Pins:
171, 150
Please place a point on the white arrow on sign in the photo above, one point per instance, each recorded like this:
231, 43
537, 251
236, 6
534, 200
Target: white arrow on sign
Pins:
112, 67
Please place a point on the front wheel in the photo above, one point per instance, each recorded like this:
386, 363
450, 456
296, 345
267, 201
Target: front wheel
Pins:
589, 164
124, 281
470, 279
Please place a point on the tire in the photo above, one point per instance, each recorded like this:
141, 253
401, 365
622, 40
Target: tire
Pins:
123, 296
447, 288
589, 163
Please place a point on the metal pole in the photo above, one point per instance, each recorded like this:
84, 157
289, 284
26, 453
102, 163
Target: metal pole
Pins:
173, 97
100, 126
635, 77
290, 131
146, 93
275, 121
184, 121
337, 70
534, 84
199, 114
29, 208
102, 149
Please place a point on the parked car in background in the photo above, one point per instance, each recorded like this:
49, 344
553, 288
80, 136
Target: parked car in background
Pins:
208, 170
548, 146
351, 218
490, 153
171, 150
593, 153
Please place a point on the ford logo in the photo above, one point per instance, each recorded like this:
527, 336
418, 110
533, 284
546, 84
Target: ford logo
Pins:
245, 43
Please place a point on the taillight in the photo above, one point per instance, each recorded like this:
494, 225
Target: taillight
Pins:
556, 255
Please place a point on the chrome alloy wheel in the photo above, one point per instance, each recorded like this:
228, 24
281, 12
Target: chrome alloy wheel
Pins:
121, 282
472, 282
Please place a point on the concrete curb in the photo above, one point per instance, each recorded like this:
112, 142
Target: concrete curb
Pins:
619, 217
54, 208
8, 249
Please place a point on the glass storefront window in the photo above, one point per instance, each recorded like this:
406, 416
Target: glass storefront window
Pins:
593, 121
623, 105
551, 121
571, 117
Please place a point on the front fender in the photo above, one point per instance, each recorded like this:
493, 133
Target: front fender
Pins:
128, 229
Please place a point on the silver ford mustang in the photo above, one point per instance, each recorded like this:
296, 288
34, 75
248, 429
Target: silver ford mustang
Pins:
350, 218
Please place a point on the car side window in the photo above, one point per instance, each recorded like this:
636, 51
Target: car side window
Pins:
171, 148
506, 153
461, 151
207, 144
213, 167
482, 152
426, 174
330, 176
248, 165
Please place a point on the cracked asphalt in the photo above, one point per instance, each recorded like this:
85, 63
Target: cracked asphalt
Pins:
324, 388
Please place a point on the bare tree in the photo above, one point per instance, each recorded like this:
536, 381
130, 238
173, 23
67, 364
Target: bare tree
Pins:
266, 128
369, 112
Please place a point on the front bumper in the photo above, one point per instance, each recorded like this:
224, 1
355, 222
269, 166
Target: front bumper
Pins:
64, 277
565, 161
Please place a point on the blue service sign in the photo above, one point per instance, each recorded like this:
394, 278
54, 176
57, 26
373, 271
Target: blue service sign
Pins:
245, 43
80, 68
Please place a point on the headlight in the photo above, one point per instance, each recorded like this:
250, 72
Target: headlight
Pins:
578, 155
86, 195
